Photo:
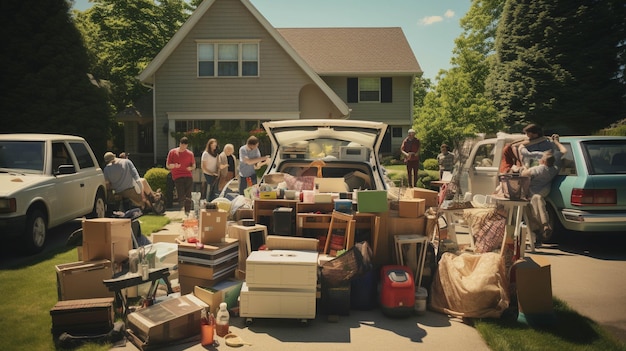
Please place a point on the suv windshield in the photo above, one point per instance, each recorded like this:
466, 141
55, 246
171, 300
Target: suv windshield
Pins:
22, 155
605, 157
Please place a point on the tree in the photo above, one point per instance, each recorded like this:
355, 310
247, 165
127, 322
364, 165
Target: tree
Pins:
44, 73
457, 107
560, 64
122, 38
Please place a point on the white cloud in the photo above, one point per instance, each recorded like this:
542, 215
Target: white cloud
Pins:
426, 21
430, 20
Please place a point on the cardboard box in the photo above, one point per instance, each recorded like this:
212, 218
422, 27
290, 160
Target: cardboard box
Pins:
213, 226
86, 316
430, 196
372, 201
403, 225
187, 283
107, 238
534, 286
411, 208
278, 242
83, 280
324, 198
170, 320
224, 291
165, 237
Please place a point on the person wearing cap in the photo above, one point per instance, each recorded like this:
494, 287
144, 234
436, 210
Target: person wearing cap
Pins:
410, 149
122, 177
181, 162
445, 159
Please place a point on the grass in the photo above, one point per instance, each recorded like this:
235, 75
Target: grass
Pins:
30, 292
571, 332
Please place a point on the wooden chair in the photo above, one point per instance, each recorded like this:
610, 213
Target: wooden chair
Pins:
340, 221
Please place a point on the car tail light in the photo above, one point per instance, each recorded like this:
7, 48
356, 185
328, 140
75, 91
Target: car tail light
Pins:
582, 197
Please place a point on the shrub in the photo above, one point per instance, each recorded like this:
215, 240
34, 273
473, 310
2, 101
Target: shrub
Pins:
157, 178
431, 164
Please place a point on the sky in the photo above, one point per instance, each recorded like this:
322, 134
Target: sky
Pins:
430, 26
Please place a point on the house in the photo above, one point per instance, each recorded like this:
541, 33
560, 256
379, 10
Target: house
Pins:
228, 68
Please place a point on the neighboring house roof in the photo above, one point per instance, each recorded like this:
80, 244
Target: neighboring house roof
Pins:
141, 108
341, 51
147, 75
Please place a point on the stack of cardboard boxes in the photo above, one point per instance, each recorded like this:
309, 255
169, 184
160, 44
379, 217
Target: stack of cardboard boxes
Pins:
85, 303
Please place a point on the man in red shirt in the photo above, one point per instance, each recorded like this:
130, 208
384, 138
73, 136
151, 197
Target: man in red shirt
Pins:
181, 162
410, 149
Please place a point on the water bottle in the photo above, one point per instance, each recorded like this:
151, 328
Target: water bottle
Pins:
222, 320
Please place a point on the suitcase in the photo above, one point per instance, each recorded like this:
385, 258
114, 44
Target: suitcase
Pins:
397, 293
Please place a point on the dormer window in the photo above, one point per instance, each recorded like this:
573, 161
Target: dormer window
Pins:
228, 59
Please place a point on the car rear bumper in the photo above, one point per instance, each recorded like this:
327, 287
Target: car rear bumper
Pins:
593, 220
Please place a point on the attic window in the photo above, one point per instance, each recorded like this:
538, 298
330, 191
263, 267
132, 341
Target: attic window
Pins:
228, 59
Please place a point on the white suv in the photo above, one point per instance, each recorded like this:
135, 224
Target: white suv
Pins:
46, 180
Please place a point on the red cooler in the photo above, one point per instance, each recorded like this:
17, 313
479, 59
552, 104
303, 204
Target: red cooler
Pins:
397, 292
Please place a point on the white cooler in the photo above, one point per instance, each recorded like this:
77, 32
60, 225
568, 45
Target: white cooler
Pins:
279, 284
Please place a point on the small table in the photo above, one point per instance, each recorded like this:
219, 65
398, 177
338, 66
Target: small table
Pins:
515, 216
126, 280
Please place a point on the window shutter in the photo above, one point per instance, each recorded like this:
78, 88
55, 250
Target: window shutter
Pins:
386, 91
353, 90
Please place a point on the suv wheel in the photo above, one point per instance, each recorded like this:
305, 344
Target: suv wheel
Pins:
35, 233
99, 206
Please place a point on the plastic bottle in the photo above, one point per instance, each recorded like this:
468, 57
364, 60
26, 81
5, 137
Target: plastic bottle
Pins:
207, 328
222, 320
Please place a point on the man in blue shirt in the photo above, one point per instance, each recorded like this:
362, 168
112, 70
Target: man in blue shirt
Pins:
250, 160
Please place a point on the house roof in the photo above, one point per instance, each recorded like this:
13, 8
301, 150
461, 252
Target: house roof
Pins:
147, 75
341, 51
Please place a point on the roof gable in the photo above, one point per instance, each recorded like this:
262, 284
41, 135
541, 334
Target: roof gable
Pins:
340, 51
147, 75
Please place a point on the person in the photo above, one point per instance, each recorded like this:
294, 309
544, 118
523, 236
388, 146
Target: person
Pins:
531, 150
540, 183
227, 166
445, 159
250, 160
210, 169
410, 149
181, 162
122, 177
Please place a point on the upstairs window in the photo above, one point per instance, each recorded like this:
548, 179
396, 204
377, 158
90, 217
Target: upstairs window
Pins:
228, 59
369, 90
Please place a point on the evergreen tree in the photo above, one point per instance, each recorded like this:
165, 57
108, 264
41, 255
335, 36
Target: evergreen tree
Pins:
558, 64
44, 73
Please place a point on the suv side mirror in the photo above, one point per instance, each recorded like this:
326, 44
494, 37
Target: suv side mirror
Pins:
67, 169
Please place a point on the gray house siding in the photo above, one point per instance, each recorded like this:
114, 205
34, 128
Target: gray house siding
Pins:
179, 90
398, 113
